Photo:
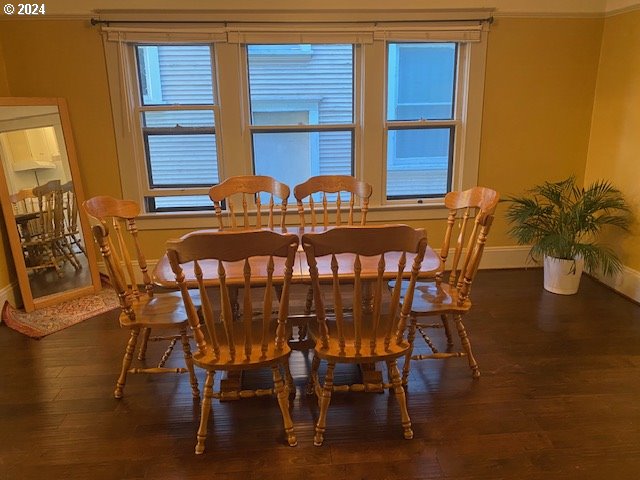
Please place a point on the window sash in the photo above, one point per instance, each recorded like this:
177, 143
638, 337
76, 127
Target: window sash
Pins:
456, 158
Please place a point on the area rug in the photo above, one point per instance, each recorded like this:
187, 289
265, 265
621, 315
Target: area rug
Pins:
48, 320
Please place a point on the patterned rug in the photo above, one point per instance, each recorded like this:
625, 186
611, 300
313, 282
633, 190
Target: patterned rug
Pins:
48, 320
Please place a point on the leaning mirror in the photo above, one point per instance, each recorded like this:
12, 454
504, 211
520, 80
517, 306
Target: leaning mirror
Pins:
41, 193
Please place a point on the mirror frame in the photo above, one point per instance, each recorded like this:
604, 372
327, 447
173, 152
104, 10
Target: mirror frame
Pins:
31, 303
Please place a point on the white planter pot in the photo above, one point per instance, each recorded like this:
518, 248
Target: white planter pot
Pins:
559, 276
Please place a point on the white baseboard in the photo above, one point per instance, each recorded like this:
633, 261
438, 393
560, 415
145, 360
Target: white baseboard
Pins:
506, 257
626, 282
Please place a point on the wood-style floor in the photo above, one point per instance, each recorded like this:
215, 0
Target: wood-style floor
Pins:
559, 397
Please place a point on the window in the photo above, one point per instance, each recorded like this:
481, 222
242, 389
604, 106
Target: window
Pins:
301, 110
421, 125
177, 122
395, 104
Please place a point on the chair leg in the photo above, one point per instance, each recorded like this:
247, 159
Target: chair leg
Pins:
313, 382
289, 379
126, 362
70, 254
142, 352
206, 409
283, 401
411, 336
233, 298
78, 243
466, 344
188, 360
323, 402
394, 377
308, 304
447, 329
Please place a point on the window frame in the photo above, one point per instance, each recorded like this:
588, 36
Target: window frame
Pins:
354, 127
232, 116
146, 192
456, 124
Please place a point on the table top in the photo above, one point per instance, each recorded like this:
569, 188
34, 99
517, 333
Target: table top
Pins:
25, 217
164, 277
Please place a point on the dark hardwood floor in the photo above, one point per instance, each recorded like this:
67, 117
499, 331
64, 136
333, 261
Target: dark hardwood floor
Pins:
559, 397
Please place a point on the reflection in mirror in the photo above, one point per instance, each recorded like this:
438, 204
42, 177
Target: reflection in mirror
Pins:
42, 194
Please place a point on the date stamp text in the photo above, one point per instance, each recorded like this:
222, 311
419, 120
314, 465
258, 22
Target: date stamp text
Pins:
24, 9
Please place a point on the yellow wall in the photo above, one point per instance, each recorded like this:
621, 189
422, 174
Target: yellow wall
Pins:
614, 149
540, 83
539, 89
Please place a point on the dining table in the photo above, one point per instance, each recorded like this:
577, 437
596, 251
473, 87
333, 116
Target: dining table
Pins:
164, 277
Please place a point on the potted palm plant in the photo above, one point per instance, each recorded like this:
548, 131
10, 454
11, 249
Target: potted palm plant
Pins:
561, 221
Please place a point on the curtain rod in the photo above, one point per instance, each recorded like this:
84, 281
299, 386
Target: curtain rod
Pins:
97, 21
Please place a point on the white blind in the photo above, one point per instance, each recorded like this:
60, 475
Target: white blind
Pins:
164, 33
444, 32
296, 33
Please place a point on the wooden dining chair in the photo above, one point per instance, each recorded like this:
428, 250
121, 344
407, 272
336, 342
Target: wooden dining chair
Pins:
233, 201
260, 260
331, 193
47, 246
234, 198
143, 310
71, 218
360, 335
469, 221
326, 201
26, 211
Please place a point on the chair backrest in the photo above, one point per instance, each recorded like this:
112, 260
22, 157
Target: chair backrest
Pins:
234, 254
373, 254
241, 193
473, 211
70, 208
25, 202
51, 217
111, 214
358, 193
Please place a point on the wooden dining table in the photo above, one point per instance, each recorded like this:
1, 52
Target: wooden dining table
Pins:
163, 276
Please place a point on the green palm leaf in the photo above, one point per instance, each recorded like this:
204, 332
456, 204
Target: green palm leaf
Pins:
562, 220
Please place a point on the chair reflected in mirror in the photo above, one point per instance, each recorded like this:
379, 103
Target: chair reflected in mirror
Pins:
41, 225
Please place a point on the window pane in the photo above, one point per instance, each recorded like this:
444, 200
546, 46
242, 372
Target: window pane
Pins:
175, 74
182, 160
293, 157
312, 83
421, 80
187, 202
419, 162
172, 118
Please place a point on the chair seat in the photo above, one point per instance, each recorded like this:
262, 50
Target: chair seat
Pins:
348, 355
209, 361
430, 298
163, 310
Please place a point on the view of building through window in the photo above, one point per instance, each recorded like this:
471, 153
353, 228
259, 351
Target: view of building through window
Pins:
302, 117
420, 92
294, 89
